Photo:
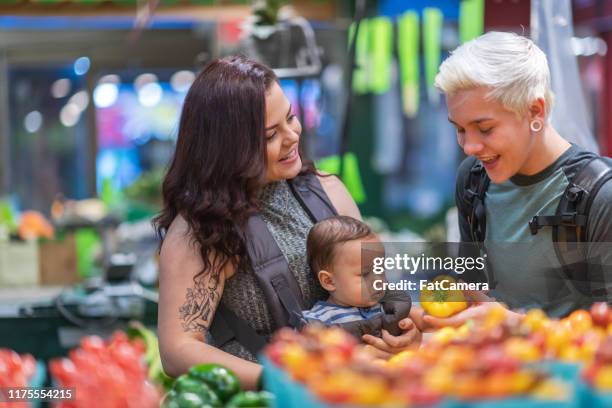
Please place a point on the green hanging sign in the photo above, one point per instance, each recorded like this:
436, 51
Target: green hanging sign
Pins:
408, 54
471, 19
350, 173
432, 36
380, 50
362, 63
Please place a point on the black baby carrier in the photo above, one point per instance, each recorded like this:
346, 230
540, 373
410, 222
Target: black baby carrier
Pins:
281, 291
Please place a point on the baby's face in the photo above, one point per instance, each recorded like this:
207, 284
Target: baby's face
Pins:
353, 279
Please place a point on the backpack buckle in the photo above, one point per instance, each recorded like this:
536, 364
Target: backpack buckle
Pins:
477, 168
469, 195
568, 219
534, 226
574, 193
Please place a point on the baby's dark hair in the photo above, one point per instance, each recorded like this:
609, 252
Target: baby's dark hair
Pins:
325, 235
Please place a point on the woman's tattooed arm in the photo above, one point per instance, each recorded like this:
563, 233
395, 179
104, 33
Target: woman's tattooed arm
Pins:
200, 303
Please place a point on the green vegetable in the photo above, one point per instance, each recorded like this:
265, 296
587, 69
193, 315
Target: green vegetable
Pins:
169, 400
251, 399
191, 400
187, 384
152, 357
221, 380
176, 399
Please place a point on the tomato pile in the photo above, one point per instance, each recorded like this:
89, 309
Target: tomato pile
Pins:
15, 371
109, 373
490, 359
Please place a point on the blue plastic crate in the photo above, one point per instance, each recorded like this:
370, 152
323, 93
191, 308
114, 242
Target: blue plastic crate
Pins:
567, 372
291, 394
38, 380
288, 393
591, 398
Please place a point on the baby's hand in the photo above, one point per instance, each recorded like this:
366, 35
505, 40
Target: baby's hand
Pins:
390, 344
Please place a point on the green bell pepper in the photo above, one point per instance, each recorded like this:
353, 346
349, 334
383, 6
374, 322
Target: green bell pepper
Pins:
221, 381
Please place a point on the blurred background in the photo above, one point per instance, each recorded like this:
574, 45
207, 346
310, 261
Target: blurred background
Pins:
90, 96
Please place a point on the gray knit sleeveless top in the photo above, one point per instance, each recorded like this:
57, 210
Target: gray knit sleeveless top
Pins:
289, 225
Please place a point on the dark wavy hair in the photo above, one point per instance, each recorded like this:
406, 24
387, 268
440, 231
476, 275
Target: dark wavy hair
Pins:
220, 159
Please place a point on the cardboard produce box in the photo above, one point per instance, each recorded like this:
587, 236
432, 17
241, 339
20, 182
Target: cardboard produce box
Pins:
18, 263
57, 261
33, 263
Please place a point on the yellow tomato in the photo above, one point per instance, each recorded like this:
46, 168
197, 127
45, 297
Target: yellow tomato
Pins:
400, 358
580, 320
445, 335
495, 316
571, 353
534, 320
467, 386
299, 363
457, 357
522, 349
371, 391
521, 381
557, 339
463, 331
439, 379
443, 302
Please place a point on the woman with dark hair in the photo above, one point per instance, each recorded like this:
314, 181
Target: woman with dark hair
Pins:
236, 155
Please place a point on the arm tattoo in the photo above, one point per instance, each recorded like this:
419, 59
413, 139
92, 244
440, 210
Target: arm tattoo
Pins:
196, 313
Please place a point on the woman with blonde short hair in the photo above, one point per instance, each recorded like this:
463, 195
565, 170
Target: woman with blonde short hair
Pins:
514, 185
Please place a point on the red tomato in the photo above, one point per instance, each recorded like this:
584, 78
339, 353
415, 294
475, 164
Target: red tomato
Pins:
600, 313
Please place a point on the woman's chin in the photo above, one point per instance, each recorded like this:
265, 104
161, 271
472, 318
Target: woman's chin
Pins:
285, 172
294, 170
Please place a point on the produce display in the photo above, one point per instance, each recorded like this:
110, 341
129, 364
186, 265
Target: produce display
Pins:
598, 373
125, 371
110, 373
494, 359
34, 225
15, 372
214, 386
532, 359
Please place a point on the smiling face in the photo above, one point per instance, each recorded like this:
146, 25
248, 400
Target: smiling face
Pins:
496, 136
283, 132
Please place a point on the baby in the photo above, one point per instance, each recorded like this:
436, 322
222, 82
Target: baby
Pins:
340, 252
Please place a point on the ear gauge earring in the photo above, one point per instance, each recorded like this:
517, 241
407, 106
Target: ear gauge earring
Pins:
536, 125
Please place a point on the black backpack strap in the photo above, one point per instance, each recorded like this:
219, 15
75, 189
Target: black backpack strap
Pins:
595, 175
474, 193
575, 203
570, 222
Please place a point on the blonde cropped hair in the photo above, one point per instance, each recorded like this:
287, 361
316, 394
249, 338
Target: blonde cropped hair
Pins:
511, 66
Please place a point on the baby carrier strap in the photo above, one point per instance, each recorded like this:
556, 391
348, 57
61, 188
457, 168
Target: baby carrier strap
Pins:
281, 291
